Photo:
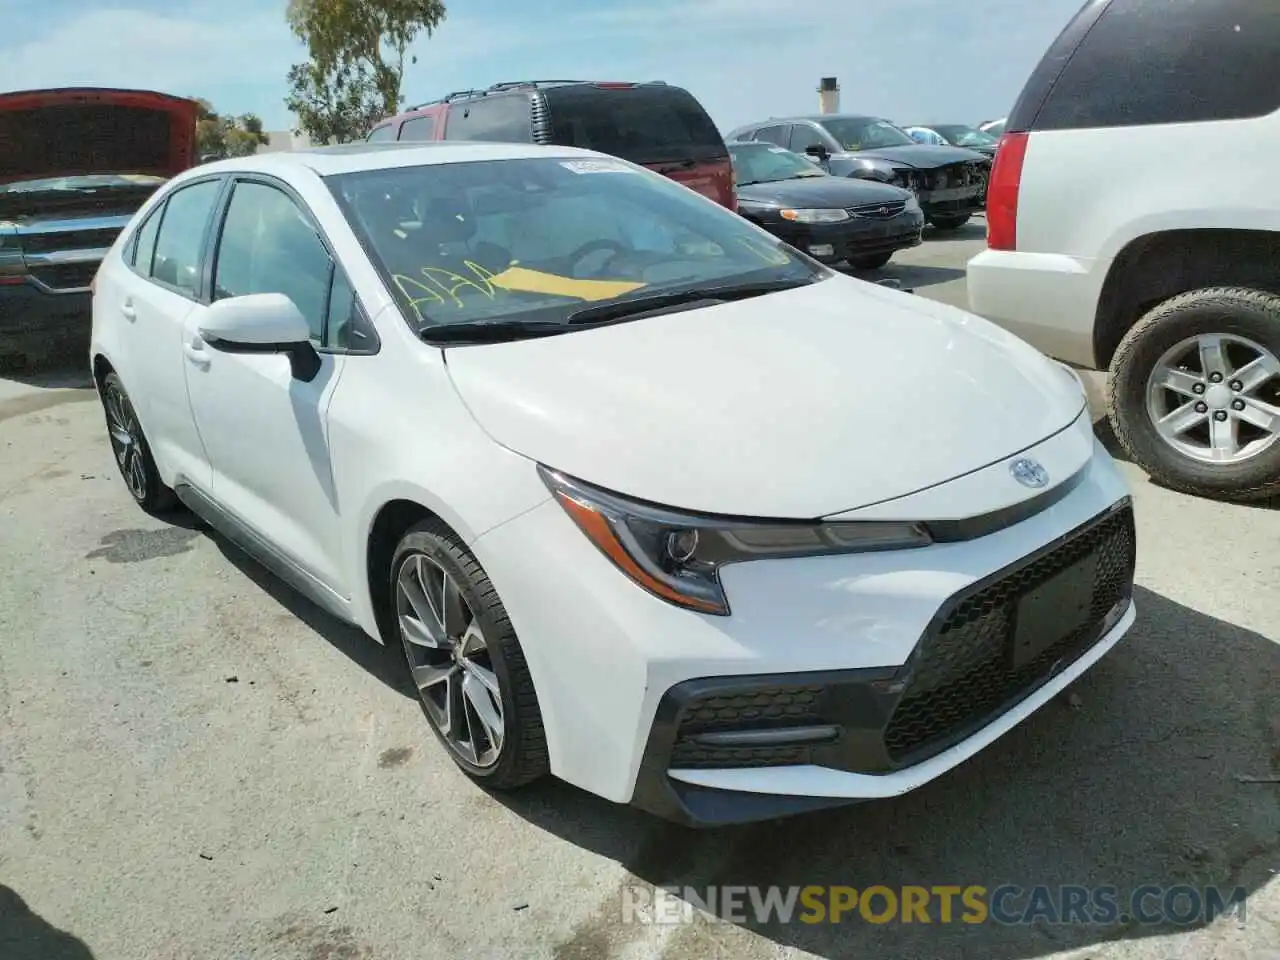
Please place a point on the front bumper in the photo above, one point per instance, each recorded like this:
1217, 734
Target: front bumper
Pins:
616, 669
953, 201
857, 237
34, 322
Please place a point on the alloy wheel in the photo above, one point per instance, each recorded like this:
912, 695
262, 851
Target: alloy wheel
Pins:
126, 441
1216, 398
449, 661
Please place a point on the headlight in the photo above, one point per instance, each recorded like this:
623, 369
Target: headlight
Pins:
815, 216
913, 204
677, 557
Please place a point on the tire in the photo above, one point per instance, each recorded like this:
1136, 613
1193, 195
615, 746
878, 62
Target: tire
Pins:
133, 456
872, 262
522, 757
954, 222
1248, 316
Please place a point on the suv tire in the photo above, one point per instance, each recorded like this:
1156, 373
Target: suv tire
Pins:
1251, 316
431, 553
950, 221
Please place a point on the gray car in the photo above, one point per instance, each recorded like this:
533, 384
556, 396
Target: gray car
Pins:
950, 182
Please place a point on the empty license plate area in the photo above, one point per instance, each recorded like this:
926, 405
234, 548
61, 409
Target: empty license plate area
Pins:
1053, 611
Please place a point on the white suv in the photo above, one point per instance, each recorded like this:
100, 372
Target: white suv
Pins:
1134, 224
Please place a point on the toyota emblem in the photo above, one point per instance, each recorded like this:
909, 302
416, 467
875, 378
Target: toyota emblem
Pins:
1029, 472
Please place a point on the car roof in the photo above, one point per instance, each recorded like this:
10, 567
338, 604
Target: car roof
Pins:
355, 157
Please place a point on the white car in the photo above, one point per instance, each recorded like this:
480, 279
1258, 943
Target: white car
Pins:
1134, 226
652, 502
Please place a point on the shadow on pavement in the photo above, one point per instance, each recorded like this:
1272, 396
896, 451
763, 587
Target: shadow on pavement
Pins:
25, 936
975, 229
383, 662
1133, 780
911, 276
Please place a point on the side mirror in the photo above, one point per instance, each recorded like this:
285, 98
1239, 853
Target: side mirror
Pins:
817, 151
262, 323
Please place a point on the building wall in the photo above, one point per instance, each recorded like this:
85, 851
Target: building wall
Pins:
283, 140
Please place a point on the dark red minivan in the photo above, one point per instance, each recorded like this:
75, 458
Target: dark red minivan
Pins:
654, 124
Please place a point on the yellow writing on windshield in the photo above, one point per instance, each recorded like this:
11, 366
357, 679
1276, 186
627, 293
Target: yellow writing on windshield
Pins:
437, 286
766, 251
535, 281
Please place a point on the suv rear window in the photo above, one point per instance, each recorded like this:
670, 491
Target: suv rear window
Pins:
643, 124
1157, 61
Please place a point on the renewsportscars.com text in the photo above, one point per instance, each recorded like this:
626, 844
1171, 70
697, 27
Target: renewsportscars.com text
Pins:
1010, 905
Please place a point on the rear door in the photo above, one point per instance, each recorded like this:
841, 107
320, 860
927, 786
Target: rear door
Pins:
154, 298
658, 126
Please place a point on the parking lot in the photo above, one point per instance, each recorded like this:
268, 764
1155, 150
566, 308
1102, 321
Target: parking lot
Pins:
196, 763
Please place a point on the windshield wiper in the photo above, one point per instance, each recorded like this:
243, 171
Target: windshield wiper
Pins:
619, 309
490, 331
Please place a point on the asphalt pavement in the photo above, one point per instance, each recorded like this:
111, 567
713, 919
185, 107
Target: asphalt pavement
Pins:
197, 764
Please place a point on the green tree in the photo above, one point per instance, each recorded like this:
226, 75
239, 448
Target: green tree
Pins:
357, 54
226, 136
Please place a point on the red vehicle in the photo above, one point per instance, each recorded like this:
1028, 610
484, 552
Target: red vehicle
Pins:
654, 124
75, 165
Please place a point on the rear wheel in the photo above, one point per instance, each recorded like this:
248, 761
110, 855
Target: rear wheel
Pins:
133, 454
872, 262
465, 661
950, 222
1194, 393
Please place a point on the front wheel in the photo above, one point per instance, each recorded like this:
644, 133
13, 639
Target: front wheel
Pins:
465, 661
132, 452
874, 262
952, 222
1194, 393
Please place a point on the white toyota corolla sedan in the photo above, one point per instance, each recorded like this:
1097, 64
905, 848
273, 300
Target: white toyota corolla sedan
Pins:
652, 502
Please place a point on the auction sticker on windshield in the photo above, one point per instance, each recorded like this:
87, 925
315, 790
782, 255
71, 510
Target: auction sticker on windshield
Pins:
597, 166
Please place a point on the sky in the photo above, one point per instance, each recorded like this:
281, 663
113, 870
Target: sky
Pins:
911, 61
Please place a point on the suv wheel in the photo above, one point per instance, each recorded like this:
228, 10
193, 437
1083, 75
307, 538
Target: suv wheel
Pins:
1194, 393
465, 660
133, 454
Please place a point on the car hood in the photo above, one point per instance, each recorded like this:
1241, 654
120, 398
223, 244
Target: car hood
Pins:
84, 131
922, 156
820, 192
797, 404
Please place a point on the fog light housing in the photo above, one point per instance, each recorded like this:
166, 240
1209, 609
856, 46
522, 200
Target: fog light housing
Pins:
822, 250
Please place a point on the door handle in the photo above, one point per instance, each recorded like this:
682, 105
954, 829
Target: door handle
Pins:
196, 354
126, 309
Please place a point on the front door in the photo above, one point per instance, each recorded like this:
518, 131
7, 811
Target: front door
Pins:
266, 432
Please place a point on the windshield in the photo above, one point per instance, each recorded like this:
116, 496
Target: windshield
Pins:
106, 181
538, 239
962, 136
767, 164
866, 133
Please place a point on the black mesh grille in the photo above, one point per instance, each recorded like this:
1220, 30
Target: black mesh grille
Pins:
879, 211
60, 240
765, 708
66, 276
962, 673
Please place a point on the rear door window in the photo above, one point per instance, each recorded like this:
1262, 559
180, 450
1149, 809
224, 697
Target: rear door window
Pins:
778, 135
1152, 61
503, 119
418, 128
643, 124
182, 231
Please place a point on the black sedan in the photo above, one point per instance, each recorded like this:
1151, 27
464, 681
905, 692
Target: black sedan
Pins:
955, 135
950, 182
829, 218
